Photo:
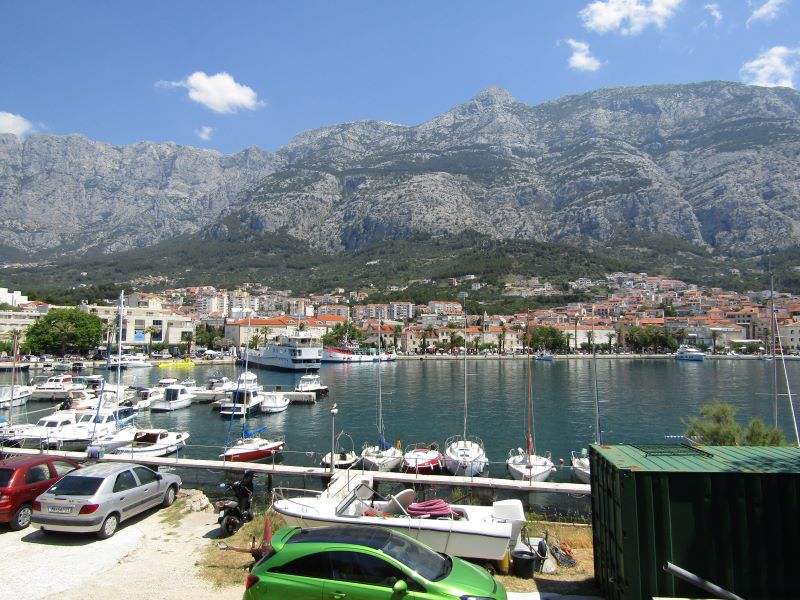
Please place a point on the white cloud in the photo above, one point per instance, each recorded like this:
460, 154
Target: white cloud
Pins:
204, 133
767, 11
16, 124
774, 67
630, 17
218, 92
714, 11
582, 59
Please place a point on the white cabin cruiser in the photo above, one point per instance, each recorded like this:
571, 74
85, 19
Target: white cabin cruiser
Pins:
176, 396
154, 442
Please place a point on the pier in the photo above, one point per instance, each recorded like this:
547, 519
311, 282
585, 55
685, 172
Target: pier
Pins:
346, 478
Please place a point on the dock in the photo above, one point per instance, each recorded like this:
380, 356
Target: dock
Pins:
341, 479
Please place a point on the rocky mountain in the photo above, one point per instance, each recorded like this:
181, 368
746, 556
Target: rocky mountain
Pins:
716, 164
71, 195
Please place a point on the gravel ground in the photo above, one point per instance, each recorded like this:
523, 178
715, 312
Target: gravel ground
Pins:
148, 557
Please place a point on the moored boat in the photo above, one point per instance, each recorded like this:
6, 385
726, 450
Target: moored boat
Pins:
298, 351
691, 353
423, 459
176, 396
154, 442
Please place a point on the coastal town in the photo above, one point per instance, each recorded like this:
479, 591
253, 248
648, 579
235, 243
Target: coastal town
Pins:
628, 312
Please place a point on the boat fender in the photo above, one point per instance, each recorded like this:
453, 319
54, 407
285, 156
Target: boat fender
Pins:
398, 444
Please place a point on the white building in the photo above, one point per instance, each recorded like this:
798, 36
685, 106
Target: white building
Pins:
12, 298
167, 327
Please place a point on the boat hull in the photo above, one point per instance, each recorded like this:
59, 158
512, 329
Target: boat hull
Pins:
244, 453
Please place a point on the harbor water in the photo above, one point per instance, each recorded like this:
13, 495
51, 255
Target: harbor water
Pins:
641, 401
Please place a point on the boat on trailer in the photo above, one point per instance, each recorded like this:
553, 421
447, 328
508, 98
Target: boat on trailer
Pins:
468, 531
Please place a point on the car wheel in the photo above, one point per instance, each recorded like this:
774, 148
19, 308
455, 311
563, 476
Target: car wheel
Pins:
21, 518
169, 497
109, 527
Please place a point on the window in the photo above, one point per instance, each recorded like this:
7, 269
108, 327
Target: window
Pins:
145, 475
364, 568
312, 565
37, 474
125, 481
62, 467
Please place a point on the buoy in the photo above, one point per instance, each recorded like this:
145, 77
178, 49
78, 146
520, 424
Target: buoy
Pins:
561, 461
397, 444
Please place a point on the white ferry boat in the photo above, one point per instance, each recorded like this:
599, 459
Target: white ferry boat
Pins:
299, 351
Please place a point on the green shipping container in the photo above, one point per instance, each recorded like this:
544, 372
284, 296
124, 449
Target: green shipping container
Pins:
726, 514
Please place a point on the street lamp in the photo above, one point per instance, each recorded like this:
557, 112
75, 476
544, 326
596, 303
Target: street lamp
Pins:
334, 412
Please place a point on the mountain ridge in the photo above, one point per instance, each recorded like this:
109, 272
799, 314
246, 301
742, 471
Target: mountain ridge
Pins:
713, 163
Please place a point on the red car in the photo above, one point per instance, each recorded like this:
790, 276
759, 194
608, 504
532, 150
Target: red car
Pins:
22, 479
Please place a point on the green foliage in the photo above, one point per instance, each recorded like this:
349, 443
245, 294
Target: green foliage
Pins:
65, 330
717, 426
650, 337
341, 332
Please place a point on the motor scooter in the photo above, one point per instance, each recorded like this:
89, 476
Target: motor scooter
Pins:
233, 513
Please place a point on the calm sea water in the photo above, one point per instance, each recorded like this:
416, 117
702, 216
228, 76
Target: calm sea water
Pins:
423, 401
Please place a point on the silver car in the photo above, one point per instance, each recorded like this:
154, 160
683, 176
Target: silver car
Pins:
99, 497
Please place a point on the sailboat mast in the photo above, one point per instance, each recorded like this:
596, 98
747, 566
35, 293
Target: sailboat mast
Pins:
380, 407
465, 369
772, 323
597, 431
529, 408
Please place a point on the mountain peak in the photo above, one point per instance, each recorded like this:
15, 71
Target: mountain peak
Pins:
493, 96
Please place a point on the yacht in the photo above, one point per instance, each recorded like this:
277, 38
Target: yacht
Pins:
311, 383
298, 351
153, 442
176, 396
353, 353
240, 402
12, 396
689, 353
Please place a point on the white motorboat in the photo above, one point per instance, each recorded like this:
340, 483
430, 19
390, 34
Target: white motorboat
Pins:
344, 457
14, 395
90, 425
176, 396
215, 389
468, 531
274, 402
422, 459
464, 454
382, 456
311, 383
56, 386
130, 361
48, 427
298, 351
581, 467
240, 403
686, 352
154, 442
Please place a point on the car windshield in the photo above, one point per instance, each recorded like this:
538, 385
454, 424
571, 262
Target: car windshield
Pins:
76, 486
427, 563
5, 476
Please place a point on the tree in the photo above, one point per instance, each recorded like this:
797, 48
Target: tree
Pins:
717, 427
502, 337
150, 330
342, 332
65, 330
397, 331
255, 340
610, 337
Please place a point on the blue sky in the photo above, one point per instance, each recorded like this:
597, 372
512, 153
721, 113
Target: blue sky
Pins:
228, 75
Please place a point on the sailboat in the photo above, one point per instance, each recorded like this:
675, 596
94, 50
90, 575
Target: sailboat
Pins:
464, 454
581, 465
14, 395
250, 446
383, 456
525, 464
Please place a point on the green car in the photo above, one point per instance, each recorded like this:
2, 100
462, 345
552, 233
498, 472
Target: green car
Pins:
360, 563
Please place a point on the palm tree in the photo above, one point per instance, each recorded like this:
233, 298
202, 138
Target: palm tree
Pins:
15, 335
255, 340
266, 332
502, 337
150, 330
714, 335
610, 336
302, 326
568, 337
64, 330
396, 333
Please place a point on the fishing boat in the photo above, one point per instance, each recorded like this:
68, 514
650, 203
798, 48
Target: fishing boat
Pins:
422, 459
344, 456
153, 442
464, 454
468, 531
297, 351
176, 396
311, 383
251, 447
525, 464
382, 456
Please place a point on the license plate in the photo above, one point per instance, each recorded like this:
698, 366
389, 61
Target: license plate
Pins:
64, 510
